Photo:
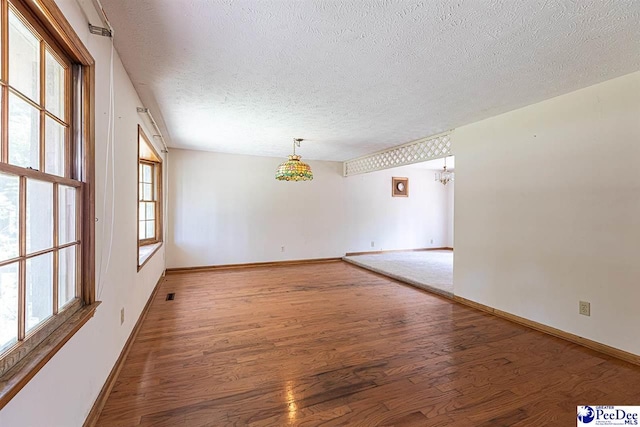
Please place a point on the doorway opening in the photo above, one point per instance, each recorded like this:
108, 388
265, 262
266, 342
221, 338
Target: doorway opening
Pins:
429, 266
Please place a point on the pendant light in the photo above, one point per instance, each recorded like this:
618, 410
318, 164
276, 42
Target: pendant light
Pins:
294, 169
445, 176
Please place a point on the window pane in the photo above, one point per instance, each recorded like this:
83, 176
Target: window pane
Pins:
39, 215
24, 58
66, 214
147, 192
2, 106
9, 205
55, 86
151, 229
147, 229
66, 275
24, 133
54, 147
147, 210
151, 210
39, 295
8, 306
147, 171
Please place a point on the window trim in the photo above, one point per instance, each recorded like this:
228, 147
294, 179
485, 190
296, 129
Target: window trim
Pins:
155, 168
158, 176
61, 35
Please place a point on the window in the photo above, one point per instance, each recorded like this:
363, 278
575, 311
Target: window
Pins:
46, 213
149, 199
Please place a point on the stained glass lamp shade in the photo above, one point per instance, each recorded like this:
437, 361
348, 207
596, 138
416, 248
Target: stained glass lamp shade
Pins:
294, 169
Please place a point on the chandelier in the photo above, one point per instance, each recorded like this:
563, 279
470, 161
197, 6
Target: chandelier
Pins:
445, 176
294, 169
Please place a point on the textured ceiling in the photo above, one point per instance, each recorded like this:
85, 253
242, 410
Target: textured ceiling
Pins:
354, 77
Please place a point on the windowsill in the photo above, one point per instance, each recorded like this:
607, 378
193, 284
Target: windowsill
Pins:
146, 252
18, 376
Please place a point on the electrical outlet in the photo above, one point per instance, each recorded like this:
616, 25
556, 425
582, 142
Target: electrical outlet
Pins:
373, 244
585, 308
122, 315
281, 248
432, 241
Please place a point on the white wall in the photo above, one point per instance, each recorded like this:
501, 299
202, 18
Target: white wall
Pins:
62, 393
450, 213
227, 209
548, 212
395, 222
219, 216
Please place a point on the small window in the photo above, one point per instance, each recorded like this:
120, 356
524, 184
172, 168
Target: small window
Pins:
149, 199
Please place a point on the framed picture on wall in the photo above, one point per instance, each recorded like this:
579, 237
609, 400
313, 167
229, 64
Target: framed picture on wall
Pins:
399, 187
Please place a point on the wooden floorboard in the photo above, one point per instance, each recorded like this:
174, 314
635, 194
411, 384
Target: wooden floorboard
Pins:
333, 345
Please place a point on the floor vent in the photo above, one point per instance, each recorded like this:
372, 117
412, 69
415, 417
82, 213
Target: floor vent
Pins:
171, 296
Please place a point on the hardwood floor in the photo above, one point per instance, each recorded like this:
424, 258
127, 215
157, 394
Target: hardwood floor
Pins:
332, 344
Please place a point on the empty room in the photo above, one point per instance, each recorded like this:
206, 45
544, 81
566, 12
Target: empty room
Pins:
305, 213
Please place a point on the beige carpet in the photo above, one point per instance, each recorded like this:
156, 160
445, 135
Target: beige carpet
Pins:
429, 270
